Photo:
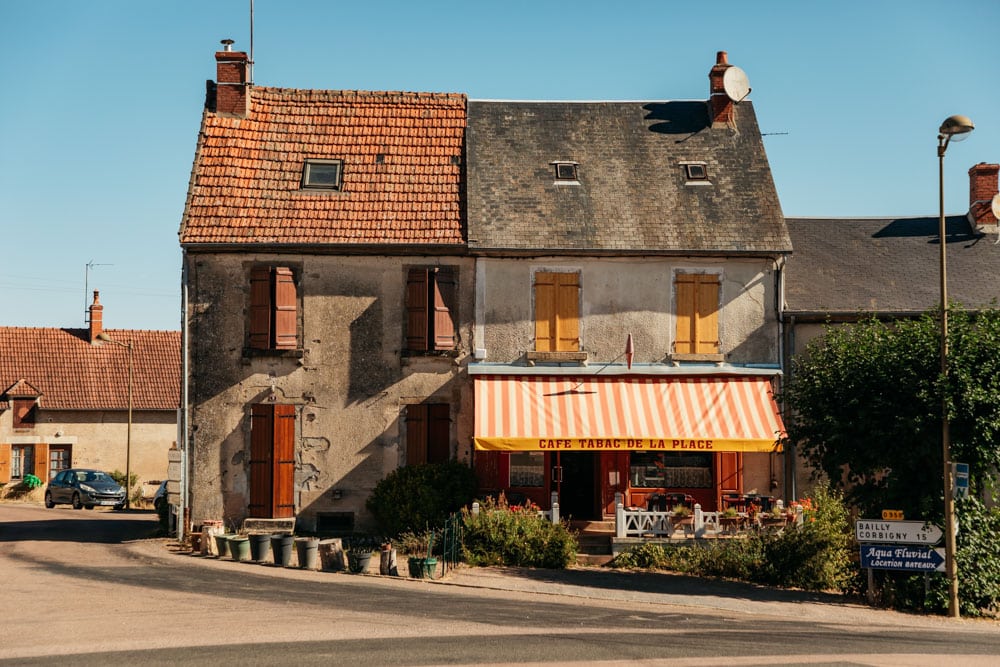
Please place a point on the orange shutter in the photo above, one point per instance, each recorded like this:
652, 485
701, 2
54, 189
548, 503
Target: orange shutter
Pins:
416, 310
260, 308
545, 312
438, 433
4, 464
42, 461
261, 462
283, 495
285, 316
729, 473
707, 340
567, 312
444, 309
697, 313
416, 434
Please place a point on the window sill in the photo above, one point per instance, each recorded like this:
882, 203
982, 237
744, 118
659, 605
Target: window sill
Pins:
713, 358
250, 352
556, 357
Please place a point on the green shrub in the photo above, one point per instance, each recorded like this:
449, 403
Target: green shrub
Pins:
815, 556
502, 534
31, 482
415, 497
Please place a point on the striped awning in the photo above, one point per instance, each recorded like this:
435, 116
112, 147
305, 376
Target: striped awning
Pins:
718, 414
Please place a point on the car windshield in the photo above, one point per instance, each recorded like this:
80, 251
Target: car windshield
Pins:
93, 476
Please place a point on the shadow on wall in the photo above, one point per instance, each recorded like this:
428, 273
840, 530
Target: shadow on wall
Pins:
677, 117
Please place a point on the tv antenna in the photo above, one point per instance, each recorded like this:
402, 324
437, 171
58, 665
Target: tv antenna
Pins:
86, 289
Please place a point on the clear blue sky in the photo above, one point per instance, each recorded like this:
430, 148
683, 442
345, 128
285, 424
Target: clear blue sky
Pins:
101, 103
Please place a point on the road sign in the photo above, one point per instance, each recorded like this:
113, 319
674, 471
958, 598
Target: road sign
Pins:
892, 515
897, 532
960, 480
895, 557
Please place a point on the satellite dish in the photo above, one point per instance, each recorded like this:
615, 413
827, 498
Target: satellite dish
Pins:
736, 84
995, 206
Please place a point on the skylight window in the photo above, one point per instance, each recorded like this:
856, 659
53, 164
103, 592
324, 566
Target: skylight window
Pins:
696, 171
566, 171
322, 174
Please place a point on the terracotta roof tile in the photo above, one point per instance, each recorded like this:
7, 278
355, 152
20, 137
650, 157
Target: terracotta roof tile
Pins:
72, 374
245, 183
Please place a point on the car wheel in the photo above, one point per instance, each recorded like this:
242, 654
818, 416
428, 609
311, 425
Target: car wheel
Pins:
77, 505
90, 507
48, 500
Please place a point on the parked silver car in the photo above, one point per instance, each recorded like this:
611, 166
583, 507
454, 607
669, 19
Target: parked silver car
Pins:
84, 488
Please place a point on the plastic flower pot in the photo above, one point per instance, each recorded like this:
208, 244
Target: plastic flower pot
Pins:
239, 548
422, 568
281, 549
258, 546
222, 545
307, 549
358, 561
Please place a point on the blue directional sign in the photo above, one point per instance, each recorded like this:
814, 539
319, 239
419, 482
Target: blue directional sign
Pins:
900, 557
960, 477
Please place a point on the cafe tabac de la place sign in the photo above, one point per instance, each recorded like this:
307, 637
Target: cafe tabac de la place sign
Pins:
626, 444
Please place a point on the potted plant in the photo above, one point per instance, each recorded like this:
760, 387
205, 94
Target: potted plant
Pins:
359, 552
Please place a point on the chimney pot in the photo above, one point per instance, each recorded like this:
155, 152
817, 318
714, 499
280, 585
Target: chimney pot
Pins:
227, 45
721, 58
96, 317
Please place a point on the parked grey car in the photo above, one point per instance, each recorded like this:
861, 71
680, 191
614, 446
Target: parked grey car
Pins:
84, 488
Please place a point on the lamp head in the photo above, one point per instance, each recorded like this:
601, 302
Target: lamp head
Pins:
956, 128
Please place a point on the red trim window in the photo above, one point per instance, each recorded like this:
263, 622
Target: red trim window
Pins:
430, 309
273, 308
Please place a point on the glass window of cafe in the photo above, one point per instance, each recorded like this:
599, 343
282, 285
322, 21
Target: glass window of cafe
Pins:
670, 470
527, 469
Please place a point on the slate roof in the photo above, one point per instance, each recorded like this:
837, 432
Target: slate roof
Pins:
632, 195
72, 374
245, 182
887, 265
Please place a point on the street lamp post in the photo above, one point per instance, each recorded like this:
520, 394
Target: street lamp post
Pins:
954, 128
128, 432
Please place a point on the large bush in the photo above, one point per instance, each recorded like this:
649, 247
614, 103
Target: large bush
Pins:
501, 534
415, 497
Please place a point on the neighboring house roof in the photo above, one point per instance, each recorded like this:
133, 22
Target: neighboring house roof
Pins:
887, 265
401, 157
70, 373
633, 195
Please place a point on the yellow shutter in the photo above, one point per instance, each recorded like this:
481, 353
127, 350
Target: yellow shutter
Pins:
567, 312
697, 313
545, 312
4, 463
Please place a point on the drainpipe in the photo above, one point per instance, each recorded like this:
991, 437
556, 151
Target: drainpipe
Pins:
183, 439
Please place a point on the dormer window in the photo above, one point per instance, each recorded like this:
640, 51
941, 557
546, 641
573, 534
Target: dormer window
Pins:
322, 174
566, 172
695, 173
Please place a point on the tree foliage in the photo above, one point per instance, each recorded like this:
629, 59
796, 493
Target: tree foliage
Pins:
867, 398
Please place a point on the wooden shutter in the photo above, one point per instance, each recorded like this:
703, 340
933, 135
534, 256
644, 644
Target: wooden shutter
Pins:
697, 313
23, 413
729, 473
707, 336
545, 312
4, 463
260, 308
417, 322
283, 494
261, 459
567, 312
285, 315
438, 433
416, 434
444, 293
42, 461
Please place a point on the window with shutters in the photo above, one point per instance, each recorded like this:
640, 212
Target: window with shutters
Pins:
697, 299
273, 315
60, 458
428, 433
272, 461
431, 309
22, 461
557, 312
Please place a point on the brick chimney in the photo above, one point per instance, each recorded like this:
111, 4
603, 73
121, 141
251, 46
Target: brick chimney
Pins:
232, 91
720, 106
96, 317
982, 188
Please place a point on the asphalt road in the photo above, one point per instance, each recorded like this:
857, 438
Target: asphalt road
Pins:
91, 587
